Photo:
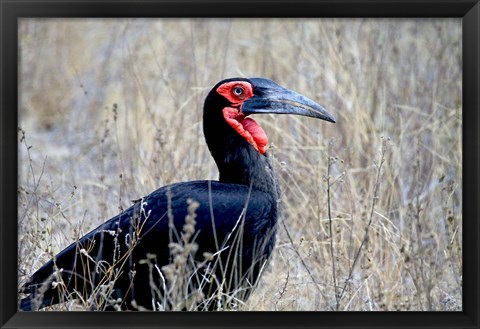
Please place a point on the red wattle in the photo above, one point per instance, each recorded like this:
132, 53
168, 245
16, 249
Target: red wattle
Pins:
247, 128
256, 132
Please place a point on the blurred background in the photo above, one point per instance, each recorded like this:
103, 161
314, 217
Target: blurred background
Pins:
111, 109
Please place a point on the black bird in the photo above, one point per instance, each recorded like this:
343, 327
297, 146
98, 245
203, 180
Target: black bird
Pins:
198, 245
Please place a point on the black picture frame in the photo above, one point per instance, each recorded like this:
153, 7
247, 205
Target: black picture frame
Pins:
11, 11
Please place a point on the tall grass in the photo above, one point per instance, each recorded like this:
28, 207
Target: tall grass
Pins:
111, 109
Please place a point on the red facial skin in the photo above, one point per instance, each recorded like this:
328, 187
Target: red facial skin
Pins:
237, 92
226, 90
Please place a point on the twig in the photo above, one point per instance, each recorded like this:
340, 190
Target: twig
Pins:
337, 304
303, 262
374, 201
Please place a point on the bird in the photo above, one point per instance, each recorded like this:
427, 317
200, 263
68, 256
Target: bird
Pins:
194, 246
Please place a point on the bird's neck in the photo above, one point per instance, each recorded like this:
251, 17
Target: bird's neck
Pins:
249, 167
239, 162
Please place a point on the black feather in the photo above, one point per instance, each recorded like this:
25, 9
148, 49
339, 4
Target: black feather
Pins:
224, 209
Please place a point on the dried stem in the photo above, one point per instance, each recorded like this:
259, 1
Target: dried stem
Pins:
372, 209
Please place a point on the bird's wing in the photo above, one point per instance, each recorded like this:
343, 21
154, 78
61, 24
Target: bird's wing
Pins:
149, 226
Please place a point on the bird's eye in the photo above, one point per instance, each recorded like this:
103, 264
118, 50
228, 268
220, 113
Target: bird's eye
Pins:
238, 91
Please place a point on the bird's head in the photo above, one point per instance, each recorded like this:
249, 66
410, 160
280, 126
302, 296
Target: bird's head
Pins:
237, 98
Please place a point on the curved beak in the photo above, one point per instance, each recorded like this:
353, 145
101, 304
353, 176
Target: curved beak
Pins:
270, 97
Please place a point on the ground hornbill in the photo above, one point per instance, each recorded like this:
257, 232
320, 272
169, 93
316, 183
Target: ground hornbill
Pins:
198, 245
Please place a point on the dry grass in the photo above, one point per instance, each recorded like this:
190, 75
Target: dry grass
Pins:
110, 110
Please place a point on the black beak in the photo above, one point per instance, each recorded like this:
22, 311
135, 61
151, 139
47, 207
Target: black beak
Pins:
270, 97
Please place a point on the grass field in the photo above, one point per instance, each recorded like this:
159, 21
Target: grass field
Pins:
111, 109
